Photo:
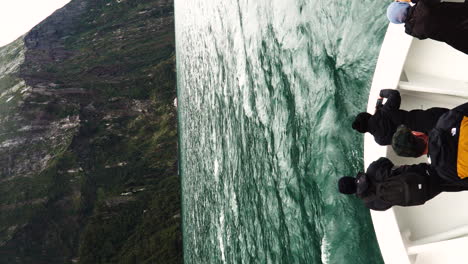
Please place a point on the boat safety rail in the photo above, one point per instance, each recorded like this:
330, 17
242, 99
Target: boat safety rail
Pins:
455, 235
408, 86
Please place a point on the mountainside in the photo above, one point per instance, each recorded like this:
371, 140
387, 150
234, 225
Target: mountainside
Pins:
88, 141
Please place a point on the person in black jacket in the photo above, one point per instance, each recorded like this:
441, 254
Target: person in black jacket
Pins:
446, 145
387, 117
382, 186
441, 21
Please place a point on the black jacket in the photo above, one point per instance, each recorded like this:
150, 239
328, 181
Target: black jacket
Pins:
446, 22
381, 170
443, 145
386, 119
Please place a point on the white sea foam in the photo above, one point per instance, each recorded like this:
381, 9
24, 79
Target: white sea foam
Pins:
325, 250
216, 170
233, 203
220, 237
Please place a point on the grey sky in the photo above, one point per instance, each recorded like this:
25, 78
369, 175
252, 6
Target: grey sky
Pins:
19, 16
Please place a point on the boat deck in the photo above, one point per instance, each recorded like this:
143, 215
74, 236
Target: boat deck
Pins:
427, 74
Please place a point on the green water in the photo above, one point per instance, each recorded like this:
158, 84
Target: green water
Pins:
267, 91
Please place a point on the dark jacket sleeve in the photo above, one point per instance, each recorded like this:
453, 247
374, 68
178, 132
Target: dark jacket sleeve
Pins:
428, 2
393, 99
421, 168
380, 169
447, 187
433, 181
378, 205
462, 109
424, 120
416, 22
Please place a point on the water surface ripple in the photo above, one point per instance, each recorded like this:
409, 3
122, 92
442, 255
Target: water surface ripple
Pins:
267, 92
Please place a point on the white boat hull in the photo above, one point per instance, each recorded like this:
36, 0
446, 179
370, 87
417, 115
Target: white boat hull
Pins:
427, 74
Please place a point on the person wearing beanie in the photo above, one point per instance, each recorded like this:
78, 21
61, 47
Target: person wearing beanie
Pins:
387, 117
440, 21
383, 186
361, 122
407, 143
347, 185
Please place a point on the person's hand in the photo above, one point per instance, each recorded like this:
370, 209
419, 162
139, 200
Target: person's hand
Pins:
379, 103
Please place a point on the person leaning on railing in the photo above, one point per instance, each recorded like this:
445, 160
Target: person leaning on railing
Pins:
383, 185
442, 21
387, 117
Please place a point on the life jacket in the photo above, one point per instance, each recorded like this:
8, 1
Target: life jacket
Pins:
405, 189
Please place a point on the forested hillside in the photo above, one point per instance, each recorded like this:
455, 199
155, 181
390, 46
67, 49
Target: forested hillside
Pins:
88, 137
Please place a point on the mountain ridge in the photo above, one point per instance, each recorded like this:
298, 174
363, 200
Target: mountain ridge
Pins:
88, 137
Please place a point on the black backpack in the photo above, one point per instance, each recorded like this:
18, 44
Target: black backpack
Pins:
405, 189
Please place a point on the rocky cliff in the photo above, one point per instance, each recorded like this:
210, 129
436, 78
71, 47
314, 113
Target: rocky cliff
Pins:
88, 143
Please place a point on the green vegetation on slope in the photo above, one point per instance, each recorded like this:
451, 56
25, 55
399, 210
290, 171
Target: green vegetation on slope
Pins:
102, 186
